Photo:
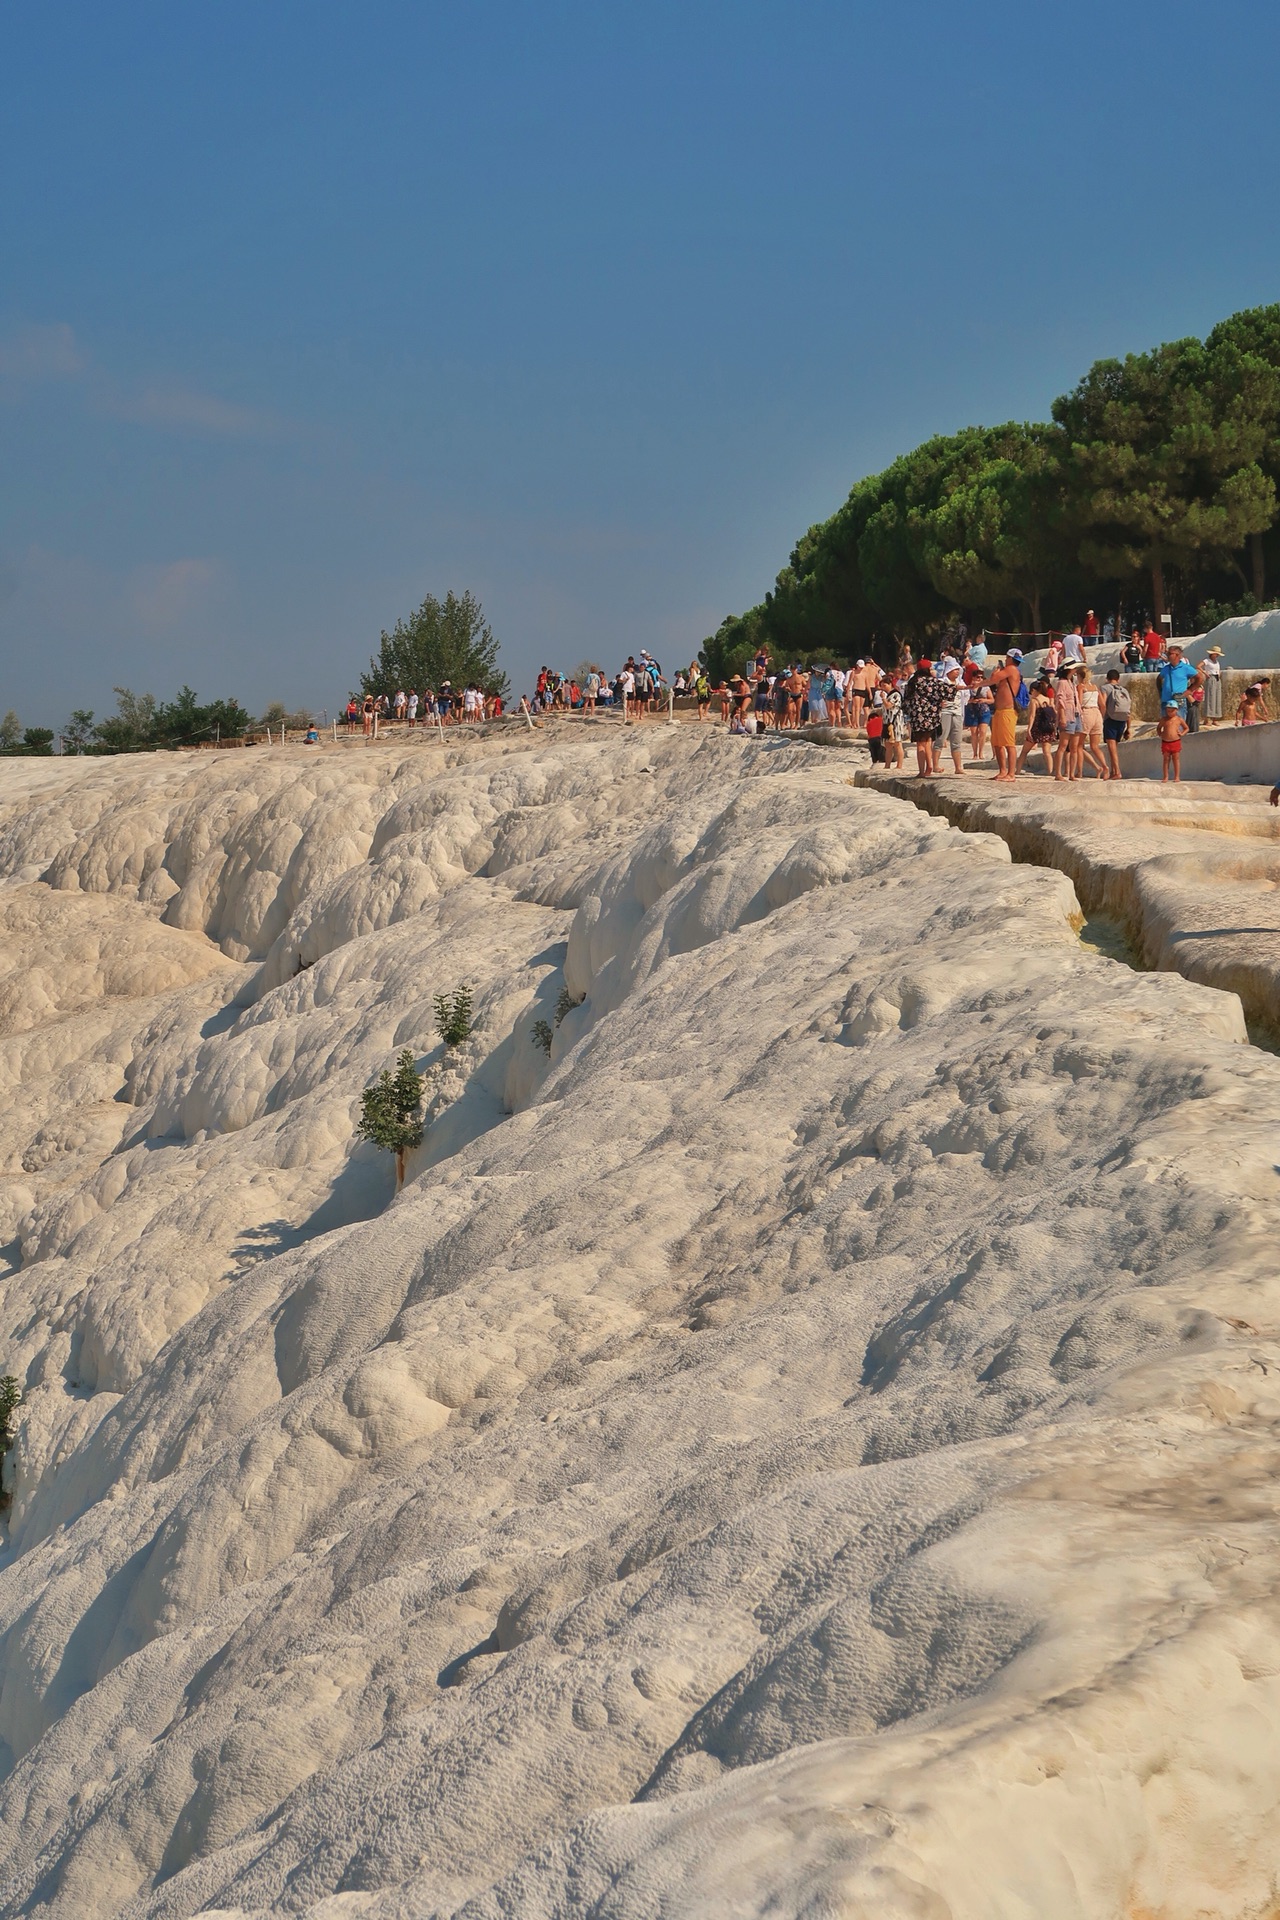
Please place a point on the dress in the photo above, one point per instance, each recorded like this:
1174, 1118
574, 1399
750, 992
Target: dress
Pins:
1212, 677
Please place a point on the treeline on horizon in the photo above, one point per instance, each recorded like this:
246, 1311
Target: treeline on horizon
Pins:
1153, 487
447, 639
139, 724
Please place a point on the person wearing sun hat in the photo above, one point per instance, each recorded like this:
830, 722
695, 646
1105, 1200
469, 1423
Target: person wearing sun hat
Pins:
1210, 671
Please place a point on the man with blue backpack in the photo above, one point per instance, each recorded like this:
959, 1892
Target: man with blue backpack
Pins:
1006, 685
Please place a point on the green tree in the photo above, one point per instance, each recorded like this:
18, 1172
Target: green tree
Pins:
1165, 465
10, 1401
453, 1016
37, 739
278, 715
1245, 352
391, 1111
447, 639
998, 533
10, 731
78, 731
131, 726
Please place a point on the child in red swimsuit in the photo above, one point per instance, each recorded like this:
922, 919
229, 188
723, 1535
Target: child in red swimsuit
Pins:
1172, 728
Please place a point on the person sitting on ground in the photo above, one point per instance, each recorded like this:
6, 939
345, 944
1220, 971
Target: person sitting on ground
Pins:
311, 738
1117, 711
1171, 729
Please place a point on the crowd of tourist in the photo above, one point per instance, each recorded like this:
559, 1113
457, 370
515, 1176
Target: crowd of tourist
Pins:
965, 705
440, 705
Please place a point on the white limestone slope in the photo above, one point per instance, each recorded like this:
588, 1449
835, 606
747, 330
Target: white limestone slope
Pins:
806, 1447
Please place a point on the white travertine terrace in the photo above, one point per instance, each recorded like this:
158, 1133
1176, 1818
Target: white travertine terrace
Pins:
808, 1446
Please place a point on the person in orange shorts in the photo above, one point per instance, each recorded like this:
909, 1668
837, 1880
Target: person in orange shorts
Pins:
1005, 684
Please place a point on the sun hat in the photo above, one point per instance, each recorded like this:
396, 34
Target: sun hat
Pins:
1215, 649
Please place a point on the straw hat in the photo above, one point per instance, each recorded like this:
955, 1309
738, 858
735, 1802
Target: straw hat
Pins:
1215, 650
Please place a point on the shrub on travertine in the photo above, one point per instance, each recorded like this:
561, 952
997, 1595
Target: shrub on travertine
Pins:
391, 1111
453, 1016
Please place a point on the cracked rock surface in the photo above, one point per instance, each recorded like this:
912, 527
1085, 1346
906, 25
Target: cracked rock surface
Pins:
804, 1445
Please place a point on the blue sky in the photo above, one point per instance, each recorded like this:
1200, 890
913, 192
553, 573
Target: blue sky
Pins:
309, 310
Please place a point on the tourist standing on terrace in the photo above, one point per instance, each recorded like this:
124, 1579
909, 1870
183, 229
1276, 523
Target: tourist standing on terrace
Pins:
1006, 684
1211, 674
922, 699
1042, 724
1117, 711
1171, 729
1175, 678
952, 715
1066, 701
1091, 720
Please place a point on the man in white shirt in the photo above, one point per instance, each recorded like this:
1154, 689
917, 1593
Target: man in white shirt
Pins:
1073, 646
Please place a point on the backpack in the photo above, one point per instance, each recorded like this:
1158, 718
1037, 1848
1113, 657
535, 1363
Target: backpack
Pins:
1022, 698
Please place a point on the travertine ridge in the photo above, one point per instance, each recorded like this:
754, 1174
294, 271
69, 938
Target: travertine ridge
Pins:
804, 1447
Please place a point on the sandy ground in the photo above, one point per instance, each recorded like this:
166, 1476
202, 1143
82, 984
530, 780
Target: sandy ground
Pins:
807, 1446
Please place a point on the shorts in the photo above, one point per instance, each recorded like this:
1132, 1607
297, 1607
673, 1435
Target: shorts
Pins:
975, 714
1114, 730
1004, 727
1171, 746
1074, 724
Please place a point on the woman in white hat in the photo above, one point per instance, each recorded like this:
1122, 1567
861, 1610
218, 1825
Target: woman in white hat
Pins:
1210, 671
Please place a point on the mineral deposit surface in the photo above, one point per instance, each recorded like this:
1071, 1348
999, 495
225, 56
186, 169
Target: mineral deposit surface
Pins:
805, 1446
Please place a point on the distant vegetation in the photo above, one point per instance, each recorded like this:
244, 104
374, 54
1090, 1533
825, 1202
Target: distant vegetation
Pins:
142, 723
447, 639
1154, 483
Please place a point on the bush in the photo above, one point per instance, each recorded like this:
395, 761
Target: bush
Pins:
391, 1111
453, 1016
